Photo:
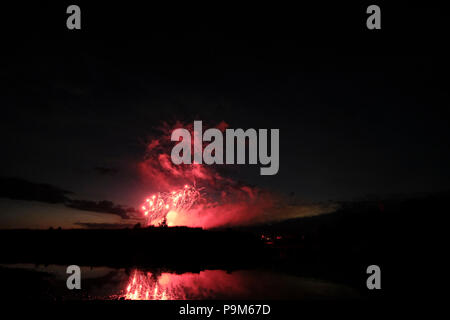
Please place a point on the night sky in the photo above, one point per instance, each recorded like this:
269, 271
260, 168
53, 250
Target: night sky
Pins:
79, 108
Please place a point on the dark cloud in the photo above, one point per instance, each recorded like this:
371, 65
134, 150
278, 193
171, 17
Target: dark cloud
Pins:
104, 171
20, 189
101, 206
93, 225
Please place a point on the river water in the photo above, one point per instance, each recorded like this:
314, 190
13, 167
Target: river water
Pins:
154, 284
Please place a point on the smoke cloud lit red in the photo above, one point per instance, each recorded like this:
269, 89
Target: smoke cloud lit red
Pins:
199, 195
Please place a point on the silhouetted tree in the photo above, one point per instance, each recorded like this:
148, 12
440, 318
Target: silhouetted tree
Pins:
163, 223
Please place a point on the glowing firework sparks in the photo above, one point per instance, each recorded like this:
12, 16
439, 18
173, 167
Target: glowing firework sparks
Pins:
162, 205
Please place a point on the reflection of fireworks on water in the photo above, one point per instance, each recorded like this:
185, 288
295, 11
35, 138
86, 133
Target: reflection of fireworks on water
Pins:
143, 287
163, 205
224, 285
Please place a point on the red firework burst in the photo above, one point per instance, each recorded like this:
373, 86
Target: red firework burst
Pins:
165, 206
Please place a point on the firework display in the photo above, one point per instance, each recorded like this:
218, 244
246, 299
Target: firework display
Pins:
158, 206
